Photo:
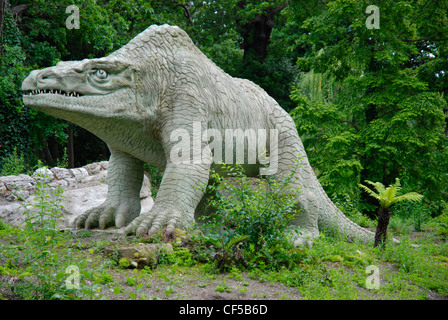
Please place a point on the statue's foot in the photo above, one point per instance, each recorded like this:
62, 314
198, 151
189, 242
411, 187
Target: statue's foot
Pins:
109, 214
304, 238
154, 220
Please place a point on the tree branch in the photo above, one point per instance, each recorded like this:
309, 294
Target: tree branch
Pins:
16, 10
280, 8
424, 39
350, 123
187, 13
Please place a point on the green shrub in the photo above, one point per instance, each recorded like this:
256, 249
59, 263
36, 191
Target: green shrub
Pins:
400, 225
124, 263
43, 218
250, 218
13, 164
259, 209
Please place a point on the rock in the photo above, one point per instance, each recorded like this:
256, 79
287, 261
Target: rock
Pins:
79, 173
62, 173
141, 254
79, 200
2, 188
93, 168
22, 181
17, 187
44, 174
83, 189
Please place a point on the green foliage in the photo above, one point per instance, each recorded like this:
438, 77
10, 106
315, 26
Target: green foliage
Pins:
368, 108
42, 215
37, 253
155, 177
124, 263
242, 206
249, 216
387, 197
13, 164
14, 118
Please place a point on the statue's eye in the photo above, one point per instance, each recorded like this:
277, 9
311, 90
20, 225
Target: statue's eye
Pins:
101, 74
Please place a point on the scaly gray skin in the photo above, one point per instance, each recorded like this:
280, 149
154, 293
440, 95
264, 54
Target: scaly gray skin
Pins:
134, 98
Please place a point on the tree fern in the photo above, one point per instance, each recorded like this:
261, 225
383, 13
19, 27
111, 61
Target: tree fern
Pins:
387, 197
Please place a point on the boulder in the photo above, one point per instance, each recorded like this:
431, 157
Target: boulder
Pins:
82, 189
140, 254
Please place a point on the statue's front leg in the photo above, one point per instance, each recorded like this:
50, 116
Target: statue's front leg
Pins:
179, 194
184, 178
122, 205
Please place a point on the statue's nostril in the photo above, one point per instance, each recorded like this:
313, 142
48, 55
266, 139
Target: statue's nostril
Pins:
46, 76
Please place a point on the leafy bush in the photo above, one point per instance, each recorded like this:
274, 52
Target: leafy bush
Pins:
13, 164
42, 221
251, 214
260, 209
155, 177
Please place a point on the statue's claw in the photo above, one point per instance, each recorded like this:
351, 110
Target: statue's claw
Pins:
108, 215
151, 222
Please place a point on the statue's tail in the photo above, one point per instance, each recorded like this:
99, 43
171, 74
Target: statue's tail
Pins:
334, 219
319, 212
331, 218
316, 203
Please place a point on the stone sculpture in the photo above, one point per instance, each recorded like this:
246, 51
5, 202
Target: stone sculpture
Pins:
146, 100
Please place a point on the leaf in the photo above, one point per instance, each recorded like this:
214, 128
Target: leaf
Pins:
117, 290
387, 196
369, 191
235, 241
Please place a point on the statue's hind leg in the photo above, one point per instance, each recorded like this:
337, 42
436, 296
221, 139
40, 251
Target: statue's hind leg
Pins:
292, 161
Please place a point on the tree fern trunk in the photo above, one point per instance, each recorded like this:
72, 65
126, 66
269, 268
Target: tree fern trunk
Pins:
381, 229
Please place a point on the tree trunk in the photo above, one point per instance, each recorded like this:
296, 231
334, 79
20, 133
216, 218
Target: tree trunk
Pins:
257, 33
70, 148
381, 229
3, 5
257, 36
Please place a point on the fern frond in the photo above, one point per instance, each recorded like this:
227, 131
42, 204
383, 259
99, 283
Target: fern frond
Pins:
380, 188
235, 241
370, 191
396, 184
411, 196
388, 196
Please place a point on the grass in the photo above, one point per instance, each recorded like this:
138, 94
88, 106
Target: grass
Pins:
417, 268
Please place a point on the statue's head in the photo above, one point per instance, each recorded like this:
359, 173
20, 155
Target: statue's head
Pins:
123, 84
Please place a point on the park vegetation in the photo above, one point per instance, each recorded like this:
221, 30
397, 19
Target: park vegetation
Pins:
370, 105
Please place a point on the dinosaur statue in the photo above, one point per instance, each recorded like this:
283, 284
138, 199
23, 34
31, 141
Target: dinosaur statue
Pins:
154, 90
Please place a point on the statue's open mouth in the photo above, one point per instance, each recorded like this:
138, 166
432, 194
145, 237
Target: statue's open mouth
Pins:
47, 91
